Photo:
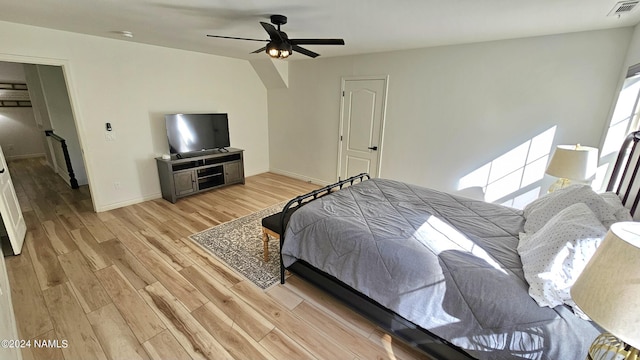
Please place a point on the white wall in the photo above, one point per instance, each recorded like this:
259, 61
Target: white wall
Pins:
11, 72
132, 86
633, 55
43, 121
452, 109
19, 136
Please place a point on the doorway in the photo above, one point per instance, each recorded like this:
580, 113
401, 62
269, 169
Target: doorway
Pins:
362, 117
44, 124
37, 127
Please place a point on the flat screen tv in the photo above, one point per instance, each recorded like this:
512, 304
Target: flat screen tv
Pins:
188, 133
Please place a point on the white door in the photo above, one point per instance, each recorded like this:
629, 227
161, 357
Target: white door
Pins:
10, 208
361, 126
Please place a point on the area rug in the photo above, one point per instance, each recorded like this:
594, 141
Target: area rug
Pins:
238, 243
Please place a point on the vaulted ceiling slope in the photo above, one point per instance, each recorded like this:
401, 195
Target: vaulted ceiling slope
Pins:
366, 25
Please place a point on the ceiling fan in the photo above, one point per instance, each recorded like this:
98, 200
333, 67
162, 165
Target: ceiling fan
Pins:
279, 45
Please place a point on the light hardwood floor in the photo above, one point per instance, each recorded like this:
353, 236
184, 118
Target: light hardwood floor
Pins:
129, 284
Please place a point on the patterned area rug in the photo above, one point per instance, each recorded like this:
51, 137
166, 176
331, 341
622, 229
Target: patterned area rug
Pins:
239, 244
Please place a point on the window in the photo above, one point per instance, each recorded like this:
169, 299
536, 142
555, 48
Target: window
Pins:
623, 121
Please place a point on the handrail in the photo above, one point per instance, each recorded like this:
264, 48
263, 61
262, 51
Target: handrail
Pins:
54, 136
300, 200
67, 159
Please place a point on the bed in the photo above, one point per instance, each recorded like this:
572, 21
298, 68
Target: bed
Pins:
442, 272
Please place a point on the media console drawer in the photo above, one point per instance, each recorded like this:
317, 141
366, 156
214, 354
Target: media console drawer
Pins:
194, 174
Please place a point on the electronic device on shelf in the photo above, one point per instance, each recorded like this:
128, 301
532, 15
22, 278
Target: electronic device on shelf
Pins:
191, 134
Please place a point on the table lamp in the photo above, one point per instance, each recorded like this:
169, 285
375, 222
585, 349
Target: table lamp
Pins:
572, 162
608, 291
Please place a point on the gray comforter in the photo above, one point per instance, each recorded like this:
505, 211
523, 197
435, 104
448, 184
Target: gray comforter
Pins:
446, 263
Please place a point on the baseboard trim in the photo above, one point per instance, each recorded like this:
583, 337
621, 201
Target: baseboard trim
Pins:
300, 177
120, 204
27, 156
107, 207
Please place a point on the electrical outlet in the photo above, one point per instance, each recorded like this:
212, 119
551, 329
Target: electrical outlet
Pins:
117, 185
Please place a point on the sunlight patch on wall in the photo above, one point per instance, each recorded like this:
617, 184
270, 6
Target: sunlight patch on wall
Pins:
601, 179
520, 167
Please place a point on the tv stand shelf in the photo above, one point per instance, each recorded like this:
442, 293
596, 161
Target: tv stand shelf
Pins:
180, 177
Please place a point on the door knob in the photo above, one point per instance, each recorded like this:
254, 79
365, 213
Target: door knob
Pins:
374, 148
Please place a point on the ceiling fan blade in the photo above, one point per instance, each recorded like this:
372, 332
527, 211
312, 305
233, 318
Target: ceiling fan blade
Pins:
316, 41
235, 38
304, 51
259, 50
274, 34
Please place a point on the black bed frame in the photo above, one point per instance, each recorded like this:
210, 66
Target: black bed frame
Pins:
388, 320
299, 201
622, 178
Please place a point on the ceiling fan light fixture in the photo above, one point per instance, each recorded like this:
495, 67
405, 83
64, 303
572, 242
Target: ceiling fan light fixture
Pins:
272, 50
280, 46
278, 50
285, 50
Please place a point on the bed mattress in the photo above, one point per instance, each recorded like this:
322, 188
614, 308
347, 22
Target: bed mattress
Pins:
446, 263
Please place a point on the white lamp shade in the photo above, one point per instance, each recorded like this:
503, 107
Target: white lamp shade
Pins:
608, 290
573, 162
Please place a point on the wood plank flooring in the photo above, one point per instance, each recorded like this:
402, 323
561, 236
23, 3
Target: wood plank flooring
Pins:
129, 284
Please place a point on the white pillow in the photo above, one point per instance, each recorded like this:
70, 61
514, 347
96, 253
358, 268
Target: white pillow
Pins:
554, 257
538, 212
620, 212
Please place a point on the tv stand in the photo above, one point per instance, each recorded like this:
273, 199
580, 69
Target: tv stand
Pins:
187, 175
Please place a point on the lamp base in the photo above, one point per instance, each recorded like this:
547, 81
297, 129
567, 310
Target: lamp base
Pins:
608, 347
561, 183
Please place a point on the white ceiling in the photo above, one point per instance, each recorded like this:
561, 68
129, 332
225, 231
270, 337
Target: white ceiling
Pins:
366, 25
